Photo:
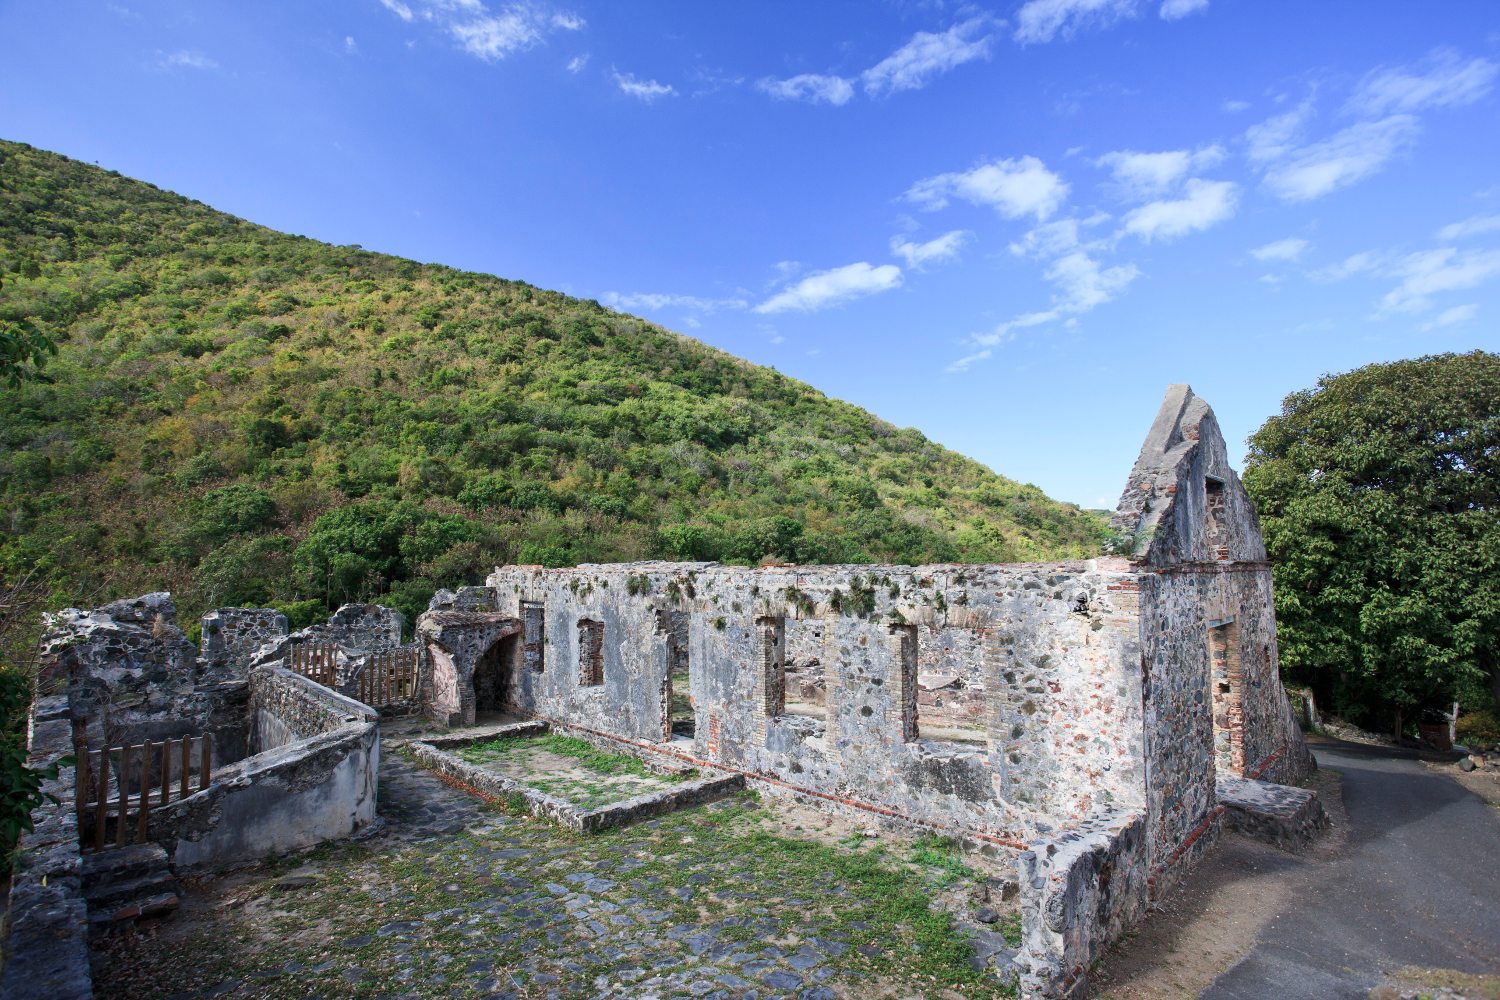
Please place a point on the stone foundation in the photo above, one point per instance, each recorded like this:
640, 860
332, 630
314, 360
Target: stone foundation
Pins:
1286, 817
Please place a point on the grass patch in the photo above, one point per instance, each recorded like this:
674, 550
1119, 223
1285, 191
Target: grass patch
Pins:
590, 756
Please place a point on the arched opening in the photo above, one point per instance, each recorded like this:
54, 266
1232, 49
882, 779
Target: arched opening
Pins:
495, 679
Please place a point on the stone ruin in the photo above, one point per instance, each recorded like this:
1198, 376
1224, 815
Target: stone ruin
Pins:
1087, 707
1091, 720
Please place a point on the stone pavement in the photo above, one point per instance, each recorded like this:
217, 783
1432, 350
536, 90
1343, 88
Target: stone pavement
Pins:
452, 897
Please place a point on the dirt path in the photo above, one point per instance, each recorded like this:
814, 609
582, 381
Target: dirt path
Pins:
1399, 897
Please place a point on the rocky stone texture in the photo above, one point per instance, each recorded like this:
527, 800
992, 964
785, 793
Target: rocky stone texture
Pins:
128, 888
232, 636
131, 677
1287, 817
47, 954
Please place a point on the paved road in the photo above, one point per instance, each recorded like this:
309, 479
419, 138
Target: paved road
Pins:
1418, 884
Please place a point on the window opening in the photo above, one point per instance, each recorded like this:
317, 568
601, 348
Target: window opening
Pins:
590, 652
771, 639
679, 717
903, 646
804, 681
534, 618
1228, 694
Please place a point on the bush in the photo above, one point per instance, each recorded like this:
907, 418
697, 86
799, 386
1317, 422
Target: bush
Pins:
1482, 727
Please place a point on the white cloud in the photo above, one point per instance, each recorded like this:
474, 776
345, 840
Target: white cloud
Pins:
1276, 137
1042, 20
943, 248
1048, 240
1432, 271
578, 63
1085, 284
1287, 249
1171, 10
809, 87
1458, 314
1146, 175
1345, 157
1234, 107
1446, 81
1469, 227
349, 45
1360, 263
827, 288
658, 301
1082, 283
1206, 203
1013, 187
489, 35
187, 59
496, 37
927, 54
646, 90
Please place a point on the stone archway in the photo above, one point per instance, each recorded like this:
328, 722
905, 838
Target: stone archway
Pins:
460, 642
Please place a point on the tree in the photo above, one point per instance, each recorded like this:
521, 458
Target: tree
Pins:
23, 353
1379, 492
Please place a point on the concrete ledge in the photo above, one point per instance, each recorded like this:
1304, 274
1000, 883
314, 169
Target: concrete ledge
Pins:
1282, 815
559, 810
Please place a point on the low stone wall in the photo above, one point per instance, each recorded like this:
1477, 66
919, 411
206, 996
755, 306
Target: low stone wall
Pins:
1079, 892
434, 754
314, 779
286, 707
1287, 817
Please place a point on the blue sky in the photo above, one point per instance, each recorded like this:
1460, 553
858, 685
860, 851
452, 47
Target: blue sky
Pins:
1010, 225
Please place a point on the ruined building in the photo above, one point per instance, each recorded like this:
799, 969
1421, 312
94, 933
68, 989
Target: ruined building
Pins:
1090, 719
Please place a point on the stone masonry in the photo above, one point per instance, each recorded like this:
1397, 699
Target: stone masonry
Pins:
1094, 701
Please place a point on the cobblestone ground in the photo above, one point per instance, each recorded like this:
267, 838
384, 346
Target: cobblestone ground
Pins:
454, 897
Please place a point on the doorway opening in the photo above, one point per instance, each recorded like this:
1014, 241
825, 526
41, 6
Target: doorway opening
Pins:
495, 680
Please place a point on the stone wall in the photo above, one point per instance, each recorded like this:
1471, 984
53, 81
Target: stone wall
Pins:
232, 636
285, 708
1060, 732
47, 952
131, 677
319, 785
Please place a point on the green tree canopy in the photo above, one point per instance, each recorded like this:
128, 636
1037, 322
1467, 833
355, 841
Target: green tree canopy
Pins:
1379, 493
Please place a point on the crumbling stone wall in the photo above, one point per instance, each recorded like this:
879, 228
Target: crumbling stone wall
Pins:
232, 636
132, 677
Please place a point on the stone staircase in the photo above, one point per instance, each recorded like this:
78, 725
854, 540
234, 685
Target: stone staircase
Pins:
127, 888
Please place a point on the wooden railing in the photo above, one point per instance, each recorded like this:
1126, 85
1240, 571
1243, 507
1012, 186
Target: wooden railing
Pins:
315, 661
152, 765
390, 676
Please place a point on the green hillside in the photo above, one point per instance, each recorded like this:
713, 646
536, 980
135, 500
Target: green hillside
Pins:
247, 417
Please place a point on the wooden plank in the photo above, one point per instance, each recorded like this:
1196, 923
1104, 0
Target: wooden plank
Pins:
145, 797
103, 793
207, 764
186, 766
123, 824
166, 772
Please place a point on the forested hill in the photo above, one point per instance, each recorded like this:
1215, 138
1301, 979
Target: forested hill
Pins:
246, 417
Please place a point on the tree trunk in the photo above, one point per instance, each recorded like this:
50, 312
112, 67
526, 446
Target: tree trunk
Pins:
1397, 732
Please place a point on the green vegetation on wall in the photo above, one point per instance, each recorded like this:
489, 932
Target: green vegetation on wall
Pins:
243, 416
